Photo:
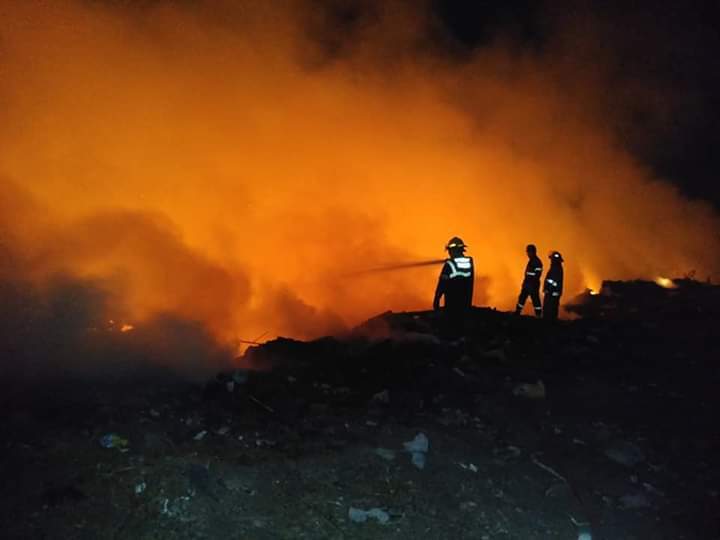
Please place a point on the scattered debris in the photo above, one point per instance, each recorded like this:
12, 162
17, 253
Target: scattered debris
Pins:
358, 515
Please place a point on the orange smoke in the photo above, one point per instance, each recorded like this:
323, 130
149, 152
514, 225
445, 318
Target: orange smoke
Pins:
220, 163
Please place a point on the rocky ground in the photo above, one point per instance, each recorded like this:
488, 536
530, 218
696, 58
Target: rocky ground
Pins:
602, 427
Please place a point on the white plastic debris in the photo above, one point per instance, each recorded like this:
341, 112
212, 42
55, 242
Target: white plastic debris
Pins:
418, 447
224, 430
200, 435
357, 515
140, 488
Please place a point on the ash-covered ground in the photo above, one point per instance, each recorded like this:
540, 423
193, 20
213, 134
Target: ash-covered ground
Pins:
601, 427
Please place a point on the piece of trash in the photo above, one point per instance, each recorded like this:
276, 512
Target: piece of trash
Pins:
468, 467
584, 533
385, 453
548, 469
419, 444
140, 488
371, 423
357, 515
113, 440
200, 435
154, 413
625, 453
418, 447
530, 390
459, 371
583, 529
382, 397
223, 430
263, 405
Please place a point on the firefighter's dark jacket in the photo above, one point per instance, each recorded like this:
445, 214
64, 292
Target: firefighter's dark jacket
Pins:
456, 283
554, 280
533, 271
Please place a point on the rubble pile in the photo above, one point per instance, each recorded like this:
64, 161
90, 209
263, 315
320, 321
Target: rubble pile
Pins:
597, 427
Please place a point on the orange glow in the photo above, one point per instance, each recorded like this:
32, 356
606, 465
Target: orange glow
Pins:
127, 328
215, 163
665, 282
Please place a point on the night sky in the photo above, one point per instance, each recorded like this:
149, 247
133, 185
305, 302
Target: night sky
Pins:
672, 47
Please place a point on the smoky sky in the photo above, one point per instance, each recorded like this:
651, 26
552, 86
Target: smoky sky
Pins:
669, 50
228, 164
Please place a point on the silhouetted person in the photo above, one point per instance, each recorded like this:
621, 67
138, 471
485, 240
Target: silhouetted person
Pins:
456, 281
553, 287
531, 282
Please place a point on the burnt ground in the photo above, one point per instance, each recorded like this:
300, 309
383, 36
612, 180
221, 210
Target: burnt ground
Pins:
623, 443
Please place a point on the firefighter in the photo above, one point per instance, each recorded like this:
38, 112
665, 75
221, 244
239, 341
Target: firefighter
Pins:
553, 287
456, 279
531, 282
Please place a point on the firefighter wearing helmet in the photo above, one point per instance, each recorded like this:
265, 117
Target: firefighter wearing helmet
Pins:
553, 287
456, 279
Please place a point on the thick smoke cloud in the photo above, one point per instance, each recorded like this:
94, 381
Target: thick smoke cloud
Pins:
230, 165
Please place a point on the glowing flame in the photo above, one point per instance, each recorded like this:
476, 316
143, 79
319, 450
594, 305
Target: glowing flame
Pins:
667, 283
127, 327
234, 170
